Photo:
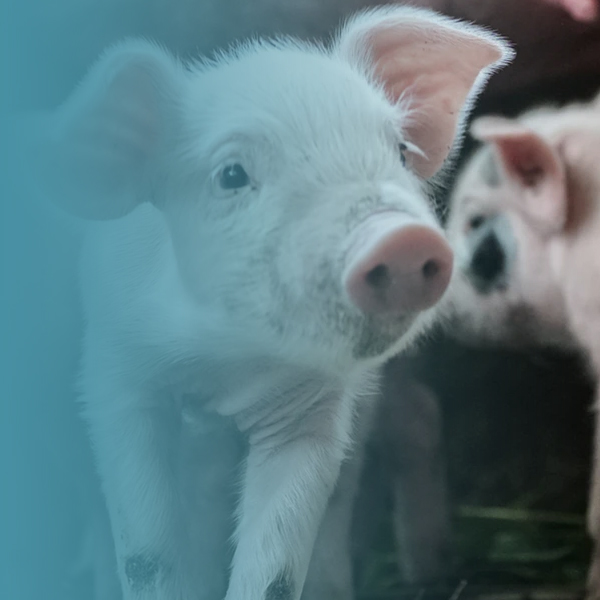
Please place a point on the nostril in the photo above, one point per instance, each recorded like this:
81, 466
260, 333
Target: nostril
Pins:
430, 269
404, 269
379, 277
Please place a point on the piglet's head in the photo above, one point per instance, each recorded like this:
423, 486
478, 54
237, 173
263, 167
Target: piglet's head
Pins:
508, 223
290, 176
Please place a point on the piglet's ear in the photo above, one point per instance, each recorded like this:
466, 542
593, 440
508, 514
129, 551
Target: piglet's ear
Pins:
435, 63
532, 165
97, 154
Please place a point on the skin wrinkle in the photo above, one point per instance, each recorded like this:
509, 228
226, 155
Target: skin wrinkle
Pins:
273, 422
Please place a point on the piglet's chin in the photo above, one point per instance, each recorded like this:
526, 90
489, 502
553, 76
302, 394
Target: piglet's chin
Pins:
386, 336
380, 339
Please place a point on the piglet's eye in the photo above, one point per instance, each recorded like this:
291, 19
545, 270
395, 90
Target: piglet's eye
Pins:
476, 221
233, 177
402, 148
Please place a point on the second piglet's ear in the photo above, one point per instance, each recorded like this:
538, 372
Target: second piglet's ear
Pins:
97, 155
434, 63
533, 166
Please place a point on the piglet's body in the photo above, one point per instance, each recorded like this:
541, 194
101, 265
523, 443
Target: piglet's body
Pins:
259, 242
525, 225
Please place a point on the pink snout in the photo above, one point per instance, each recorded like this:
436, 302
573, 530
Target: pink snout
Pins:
400, 267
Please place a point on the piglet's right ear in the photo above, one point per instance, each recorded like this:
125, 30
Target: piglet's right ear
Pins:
532, 165
97, 154
435, 63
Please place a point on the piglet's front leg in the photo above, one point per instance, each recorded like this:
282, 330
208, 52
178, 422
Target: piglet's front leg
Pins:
134, 440
131, 438
330, 575
291, 472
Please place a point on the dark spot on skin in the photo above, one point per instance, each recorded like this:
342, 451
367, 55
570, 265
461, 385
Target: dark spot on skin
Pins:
280, 588
488, 265
141, 572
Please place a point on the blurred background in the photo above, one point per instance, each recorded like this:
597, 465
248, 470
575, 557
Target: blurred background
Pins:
516, 426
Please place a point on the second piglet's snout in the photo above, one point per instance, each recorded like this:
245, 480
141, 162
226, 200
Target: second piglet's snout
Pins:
397, 264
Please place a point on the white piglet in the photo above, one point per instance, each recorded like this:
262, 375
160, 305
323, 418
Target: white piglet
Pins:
525, 227
259, 242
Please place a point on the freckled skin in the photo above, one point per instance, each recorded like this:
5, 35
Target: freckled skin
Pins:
141, 572
280, 588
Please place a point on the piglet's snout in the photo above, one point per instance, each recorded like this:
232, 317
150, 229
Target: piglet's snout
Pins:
397, 265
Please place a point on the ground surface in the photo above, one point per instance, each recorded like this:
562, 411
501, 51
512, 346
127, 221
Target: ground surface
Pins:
518, 435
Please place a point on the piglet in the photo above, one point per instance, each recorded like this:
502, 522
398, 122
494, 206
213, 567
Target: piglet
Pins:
525, 225
259, 241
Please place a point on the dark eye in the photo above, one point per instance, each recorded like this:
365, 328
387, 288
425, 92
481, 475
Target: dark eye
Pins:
402, 148
476, 221
233, 177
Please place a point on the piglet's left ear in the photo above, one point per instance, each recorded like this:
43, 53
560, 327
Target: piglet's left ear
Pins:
532, 165
435, 63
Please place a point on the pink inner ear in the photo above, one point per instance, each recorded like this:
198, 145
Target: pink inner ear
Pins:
528, 161
435, 68
534, 167
525, 155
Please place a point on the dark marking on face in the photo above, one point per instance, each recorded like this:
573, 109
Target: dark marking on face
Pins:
488, 265
489, 171
280, 588
141, 571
